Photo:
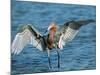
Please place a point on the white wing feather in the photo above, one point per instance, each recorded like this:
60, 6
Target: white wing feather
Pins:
22, 39
66, 37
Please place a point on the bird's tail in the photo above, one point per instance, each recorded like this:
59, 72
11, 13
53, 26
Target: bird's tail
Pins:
85, 22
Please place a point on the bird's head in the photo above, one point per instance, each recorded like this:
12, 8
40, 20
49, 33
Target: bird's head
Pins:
52, 27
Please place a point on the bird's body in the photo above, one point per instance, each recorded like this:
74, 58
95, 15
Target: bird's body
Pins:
56, 38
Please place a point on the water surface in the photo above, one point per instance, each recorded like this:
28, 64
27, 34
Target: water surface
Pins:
80, 54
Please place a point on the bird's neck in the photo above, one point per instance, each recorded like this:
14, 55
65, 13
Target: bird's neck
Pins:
50, 39
51, 35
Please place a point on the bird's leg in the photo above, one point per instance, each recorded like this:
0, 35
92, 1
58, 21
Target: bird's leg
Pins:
48, 51
58, 59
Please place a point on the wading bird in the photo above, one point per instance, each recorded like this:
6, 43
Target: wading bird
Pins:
55, 38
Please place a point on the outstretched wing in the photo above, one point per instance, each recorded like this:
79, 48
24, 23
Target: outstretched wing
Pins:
69, 30
28, 35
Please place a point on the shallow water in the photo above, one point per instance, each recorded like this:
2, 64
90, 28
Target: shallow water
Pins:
80, 54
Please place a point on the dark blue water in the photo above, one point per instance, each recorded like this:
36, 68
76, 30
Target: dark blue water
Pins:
80, 54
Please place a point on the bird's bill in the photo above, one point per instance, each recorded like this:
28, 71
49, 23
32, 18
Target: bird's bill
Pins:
46, 32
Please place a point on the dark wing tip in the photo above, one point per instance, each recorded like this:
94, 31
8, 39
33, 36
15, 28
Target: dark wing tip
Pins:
84, 22
92, 20
77, 24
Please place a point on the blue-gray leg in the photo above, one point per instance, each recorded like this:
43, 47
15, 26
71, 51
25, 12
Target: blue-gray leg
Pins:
58, 59
48, 51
